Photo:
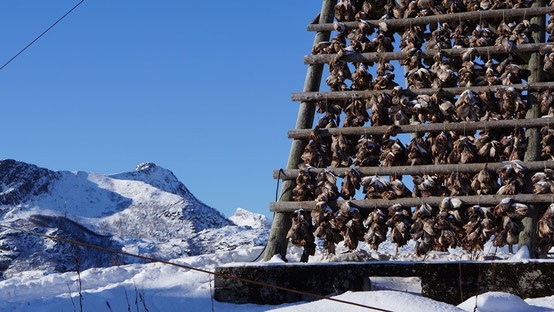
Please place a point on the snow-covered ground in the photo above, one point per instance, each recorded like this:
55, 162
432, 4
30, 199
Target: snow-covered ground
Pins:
160, 287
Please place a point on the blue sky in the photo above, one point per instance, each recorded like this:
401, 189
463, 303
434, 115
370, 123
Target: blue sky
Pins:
199, 87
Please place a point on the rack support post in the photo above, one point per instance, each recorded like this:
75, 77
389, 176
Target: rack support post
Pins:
277, 241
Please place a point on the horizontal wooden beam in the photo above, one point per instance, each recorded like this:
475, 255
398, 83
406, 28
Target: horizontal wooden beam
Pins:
454, 17
416, 201
289, 174
301, 134
389, 56
366, 94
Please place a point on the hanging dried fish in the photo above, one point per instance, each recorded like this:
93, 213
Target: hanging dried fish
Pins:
322, 215
318, 152
341, 147
426, 186
422, 229
300, 234
512, 178
368, 151
545, 230
449, 225
418, 152
508, 216
485, 182
377, 187
305, 186
376, 228
348, 221
441, 146
479, 228
463, 151
350, 184
543, 182
399, 220
547, 143
458, 184
326, 183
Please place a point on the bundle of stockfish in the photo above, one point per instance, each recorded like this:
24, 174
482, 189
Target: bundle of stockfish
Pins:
349, 222
422, 229
301, 234
379, 105
393, 153
543, 182
547, 103
418, 153
318, 152
400, 110
342, 148
427, 185
488, 149
485, 182
305, 186
458, 184
514, 145
511, 104
332, 111
547, 143
377, 187
326, 183
368, 152
356, 114
350, 184
546, 231
376, 224
441, 146
479, 227
322, 215
511, 178
399, 220
449, 225
463, 151
508, 215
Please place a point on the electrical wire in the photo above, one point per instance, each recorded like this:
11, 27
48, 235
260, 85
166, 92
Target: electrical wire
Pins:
220, 275
42, 34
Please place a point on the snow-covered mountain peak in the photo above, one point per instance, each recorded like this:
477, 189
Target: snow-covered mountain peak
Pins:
243, 217
158, 177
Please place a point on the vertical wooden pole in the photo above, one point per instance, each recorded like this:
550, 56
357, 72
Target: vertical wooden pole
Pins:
277, 242
528, 235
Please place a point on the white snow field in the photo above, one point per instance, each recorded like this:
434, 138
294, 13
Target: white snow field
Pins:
160, 287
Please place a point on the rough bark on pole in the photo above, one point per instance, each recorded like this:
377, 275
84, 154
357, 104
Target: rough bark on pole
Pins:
454, 17
528, 236
424, 128
532, 166
391, 56
277, 242
366, 94
414, 201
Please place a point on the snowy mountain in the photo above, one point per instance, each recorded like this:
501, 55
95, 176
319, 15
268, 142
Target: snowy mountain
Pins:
146, 211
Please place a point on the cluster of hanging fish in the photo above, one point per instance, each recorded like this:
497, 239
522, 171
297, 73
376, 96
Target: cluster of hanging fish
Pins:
432, 228
440, 147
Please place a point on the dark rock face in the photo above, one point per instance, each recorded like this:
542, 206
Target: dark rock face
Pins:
24, 251
20, 181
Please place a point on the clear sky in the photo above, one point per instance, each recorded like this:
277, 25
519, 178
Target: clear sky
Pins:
199, 87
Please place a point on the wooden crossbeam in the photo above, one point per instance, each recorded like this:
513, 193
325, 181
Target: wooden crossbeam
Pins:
454, 52
415, 201
366, 94
289, 174
454, 17
424, 128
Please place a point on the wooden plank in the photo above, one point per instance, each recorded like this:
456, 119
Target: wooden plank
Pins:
389, 56
527, 237
424, 128
485, 200
277, 241
366, 94
289, 174
454, 17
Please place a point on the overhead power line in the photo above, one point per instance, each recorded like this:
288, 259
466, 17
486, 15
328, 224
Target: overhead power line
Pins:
42, 34
221, 275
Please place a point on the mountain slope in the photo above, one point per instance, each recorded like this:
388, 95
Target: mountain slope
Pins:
146, 211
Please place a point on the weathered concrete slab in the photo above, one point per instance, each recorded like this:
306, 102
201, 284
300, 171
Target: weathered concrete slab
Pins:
450, 282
